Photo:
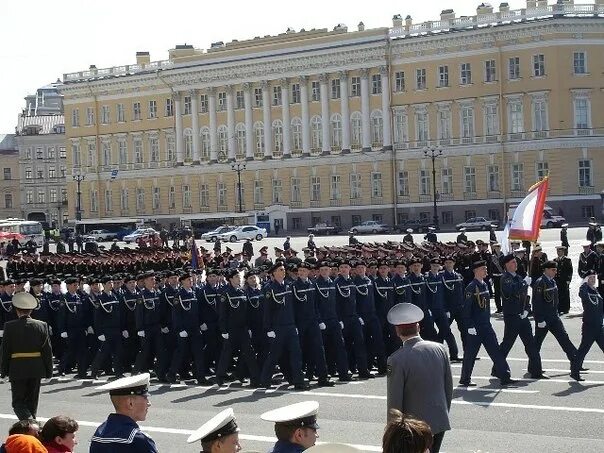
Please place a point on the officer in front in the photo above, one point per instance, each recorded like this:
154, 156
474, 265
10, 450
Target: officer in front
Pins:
592, 330
295, 426
219, 434
120, 433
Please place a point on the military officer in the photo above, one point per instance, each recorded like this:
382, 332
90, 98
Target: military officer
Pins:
255, 315
295, 426
130, 297
219, 434
408, 238
25, 356
208, 295
592, 330
73, 321
461, 237
564, 275
384, 300
496, 271
588, 260
120, 433
7, 313
417, 284
454, 298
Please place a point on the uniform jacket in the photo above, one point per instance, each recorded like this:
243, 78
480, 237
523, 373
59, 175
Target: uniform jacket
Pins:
545, 299
30, 339
513, 292
420, 382
593, 307
121, 434
476, 309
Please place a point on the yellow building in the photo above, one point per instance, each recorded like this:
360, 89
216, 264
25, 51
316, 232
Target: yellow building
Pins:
333, 125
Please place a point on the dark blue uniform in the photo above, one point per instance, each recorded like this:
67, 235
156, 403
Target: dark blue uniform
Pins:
454, 299
255, 314
148, 323
73, 320
477, 315
417, 286
435, 298
129, 302
282, 446
516, 322
121, 434
592, 329
51, 304
108, 324
384, 300
372, 328
209, 297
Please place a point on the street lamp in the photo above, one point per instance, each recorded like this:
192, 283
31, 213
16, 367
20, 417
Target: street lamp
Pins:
78, 179
239, 167
434, 152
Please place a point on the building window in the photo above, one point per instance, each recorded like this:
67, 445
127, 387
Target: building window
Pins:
541, 170
400, 127
28, 152
39, 153
75, 117
187, 105
89, 116
494, 214
421, 123
258, 97
355, 86
295, 93
469, 179
444, 124
377, 218
223, 141
122, 151
335, 88
491, 119
467, 123
424, 182
106, 147
356, 220
420, 79
447, 218
517, 177
108, 200
40, 173
152, 109
336, 131
446, 181
516, 117
203, 103
41, 196
169, 107
334, 192
75, 151
239, 100
490, 72
222, 194
124, 199
466, 74
28, 173
136, 111
582, 113
186, 196
376, 84
240, 139
585, 179
91, 154
316, 133
377, 125
277, 191
205, 144
514, 68
29, 197
469, 214
94, 201
277, 138
62, 152
105, 114
493, 178
376, 185
153, 149
296, 223
7, 174
579, 64
297, 134
443, 76
222, 101
315, 188
355, 186
399, 81
52, 172
188, 142
587, 212
403, 183
204, 196
539, 65
172, 197
296, 195
315, 91
51, 152
259, 136
64, 195
277, 95
355, 130
155, 201
138, 150
540, 122
140, 199
8, 200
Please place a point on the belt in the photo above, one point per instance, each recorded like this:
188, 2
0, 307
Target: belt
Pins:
25, 355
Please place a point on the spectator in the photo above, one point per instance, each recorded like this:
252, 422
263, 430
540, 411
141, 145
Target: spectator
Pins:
59, 434
406, 434
29, 426
286, 244
23, 443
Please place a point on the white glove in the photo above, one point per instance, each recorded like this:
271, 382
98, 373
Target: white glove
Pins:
250, 333
203, 327
322, 326
125, 334
183, 334
90, 330
101, 337
528, 280
541, 324
341, 324
361, 321
225, 336
165, 330
297, 331
141, 333
1, 333
472, 331
271, 334
448, 315
63, 334
524, 314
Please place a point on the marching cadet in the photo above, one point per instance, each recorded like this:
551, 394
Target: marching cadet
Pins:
330, 325
120, 433
108, 325
353, 323
208, 295
25, 356
307, 316
496, 271
454, 299
372, 329
280, 327
417, 284
600, 265
7, 313
130, 297
547, 319
219, 434
255, 315
384, 300
564, 275
592, 330
235, 330
461, 237
295, 426
564, 236
408, 238
477, 319
53, 301
515, 317
431, 235
186, 324
400, 282
73, 321
588, 260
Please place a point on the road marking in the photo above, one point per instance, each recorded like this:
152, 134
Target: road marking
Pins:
531, 406
560, 370
188, 432
551, 380
521, 359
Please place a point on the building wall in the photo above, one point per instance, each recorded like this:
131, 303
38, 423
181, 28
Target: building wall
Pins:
9, 183
490, 165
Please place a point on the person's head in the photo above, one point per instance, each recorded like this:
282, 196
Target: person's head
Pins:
591, 279
220, 434
296, 423
61, 430
324, 270
235, 278
450, 263
406, 434
510, 263
561, 251
278, 272
226, 444
405, 318
306, 437
549, 269
480, 270
185, 281
130, 396
344, 269
303, 272
30, 427
415, 267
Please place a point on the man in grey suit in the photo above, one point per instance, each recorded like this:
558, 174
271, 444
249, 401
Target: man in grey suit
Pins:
419, 374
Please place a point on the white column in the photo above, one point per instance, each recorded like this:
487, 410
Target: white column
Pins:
365, 119
249, 122
179, 137
305, 116
325, 123
231, 122
386, 114
195, 124
345, 111
213, 134
266, 117
285, 118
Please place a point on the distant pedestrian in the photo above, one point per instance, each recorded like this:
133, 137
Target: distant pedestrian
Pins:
59, 434
287, 244
406, 434
248, 248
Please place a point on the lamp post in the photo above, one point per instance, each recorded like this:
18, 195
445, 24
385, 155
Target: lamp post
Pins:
78, 179
434, 153
239, 167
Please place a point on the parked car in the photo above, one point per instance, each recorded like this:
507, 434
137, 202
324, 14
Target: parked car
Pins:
211, 236
476, 224
244, 232
417, 225
324, 229
140, 232
120, 234
101, 235
370, 226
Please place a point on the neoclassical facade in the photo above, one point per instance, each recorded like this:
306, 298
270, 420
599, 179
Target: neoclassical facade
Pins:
333, 125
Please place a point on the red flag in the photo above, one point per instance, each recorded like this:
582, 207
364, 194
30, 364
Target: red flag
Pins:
526, 222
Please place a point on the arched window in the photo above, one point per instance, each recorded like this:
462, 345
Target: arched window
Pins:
223, 140
377, 129
296, 136
259, 139
188, 135
355, 130
204, 134
336, 132
277, 138
316, 134
240, 136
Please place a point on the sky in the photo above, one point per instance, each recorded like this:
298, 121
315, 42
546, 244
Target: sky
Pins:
41, 40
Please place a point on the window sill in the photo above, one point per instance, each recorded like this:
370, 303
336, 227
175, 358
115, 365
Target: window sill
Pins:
443, 87
581, 74
466, 85
534, 77
491, 82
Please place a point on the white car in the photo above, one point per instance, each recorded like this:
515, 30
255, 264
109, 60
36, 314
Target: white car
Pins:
476, 223
140, 232
370, 226
211, 236
101, 235
244, 232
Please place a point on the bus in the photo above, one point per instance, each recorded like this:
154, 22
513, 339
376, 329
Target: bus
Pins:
29, 229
